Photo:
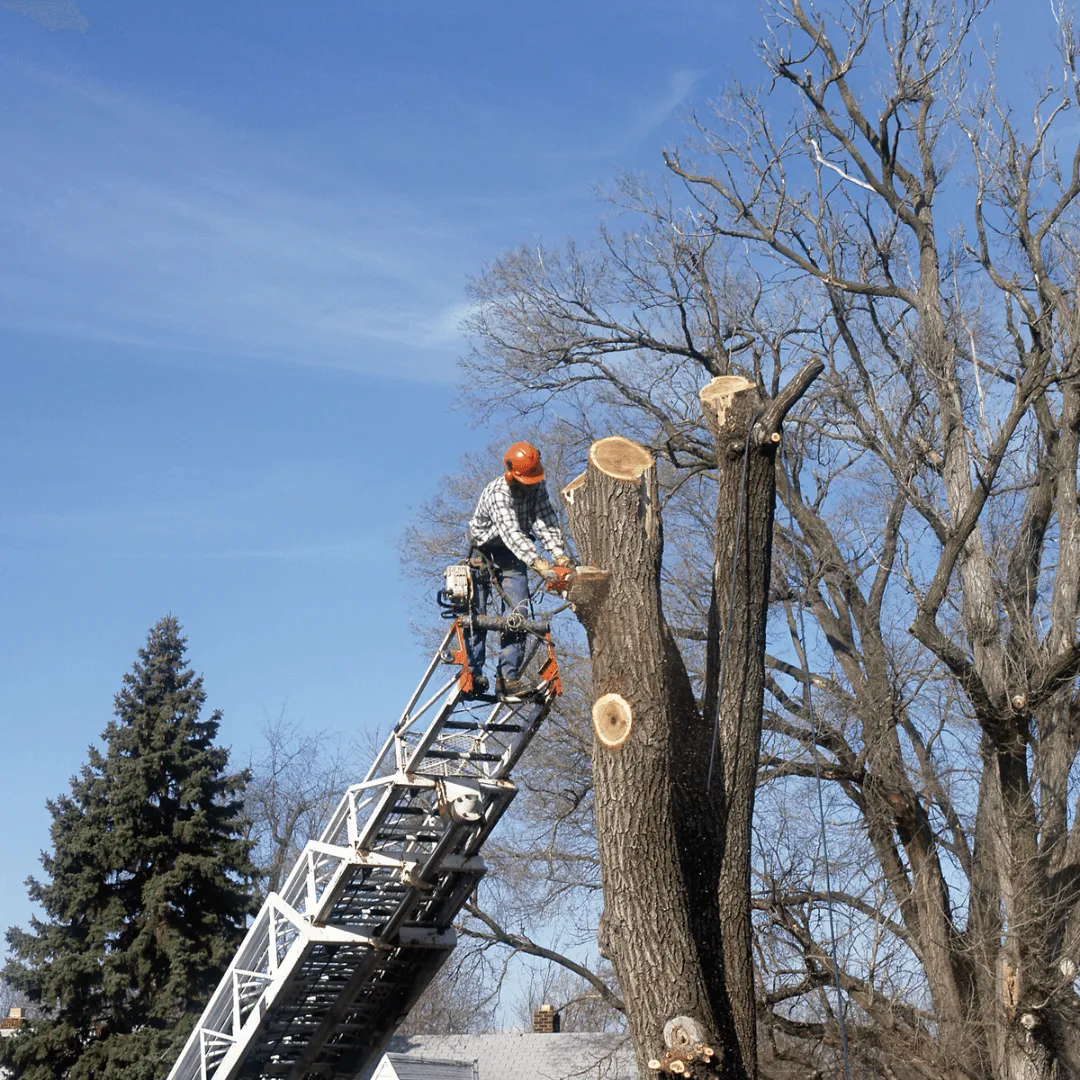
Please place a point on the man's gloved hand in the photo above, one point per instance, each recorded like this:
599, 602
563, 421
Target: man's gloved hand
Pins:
564, 560
544, 569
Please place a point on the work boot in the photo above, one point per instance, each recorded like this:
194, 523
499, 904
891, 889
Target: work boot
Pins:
513, 688
480, 685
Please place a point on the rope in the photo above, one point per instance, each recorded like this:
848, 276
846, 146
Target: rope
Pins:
808, 697
731, 604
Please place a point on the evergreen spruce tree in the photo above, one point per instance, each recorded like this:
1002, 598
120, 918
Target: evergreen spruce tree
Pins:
149, 886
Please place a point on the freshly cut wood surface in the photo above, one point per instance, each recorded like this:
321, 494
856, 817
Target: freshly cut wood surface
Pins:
717, 395
620, 458
612, 720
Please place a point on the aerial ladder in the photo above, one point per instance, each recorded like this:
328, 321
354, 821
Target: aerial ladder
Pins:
333, 962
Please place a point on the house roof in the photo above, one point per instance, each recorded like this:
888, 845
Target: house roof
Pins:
515, 1055
413, 1067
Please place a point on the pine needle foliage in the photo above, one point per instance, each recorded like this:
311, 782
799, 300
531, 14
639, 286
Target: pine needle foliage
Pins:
147, 889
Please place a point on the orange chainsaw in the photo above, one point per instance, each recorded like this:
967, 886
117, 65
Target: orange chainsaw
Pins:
563, 576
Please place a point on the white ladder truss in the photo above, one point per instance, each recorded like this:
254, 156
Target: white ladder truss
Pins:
333, 963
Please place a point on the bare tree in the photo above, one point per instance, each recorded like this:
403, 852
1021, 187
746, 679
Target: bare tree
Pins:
540, 902
296, 780
11, 998
461, 1000
906, 224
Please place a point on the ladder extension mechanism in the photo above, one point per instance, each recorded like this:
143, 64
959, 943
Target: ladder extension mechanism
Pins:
333, 963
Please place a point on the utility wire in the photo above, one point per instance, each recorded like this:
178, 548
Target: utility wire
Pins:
808, 697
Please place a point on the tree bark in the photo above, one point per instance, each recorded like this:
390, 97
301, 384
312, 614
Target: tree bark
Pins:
657, 828
746, 464
674, 783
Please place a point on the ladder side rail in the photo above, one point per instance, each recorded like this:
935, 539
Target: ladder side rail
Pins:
436, 660
295, 888
499, 800
447, 687
329, 896
418, 877
450, 694
508, 755
403, 868
428, 739
304, 891
466, 836
346, 807
510, 745
495, 805
252, 955
233, 1061
219, 1015
257, 956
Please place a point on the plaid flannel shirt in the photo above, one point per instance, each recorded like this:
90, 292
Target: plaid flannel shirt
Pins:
513, 515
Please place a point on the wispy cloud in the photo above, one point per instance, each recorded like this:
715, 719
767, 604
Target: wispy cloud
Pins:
52, 14
653, 115
649, 116
206, 512
129, 221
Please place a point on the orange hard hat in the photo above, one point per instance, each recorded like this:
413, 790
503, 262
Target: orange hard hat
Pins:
522, 463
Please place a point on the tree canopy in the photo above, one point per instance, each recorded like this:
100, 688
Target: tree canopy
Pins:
147, 887
881, 202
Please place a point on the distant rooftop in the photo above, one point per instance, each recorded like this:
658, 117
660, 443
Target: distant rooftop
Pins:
413, 1067
515, 1055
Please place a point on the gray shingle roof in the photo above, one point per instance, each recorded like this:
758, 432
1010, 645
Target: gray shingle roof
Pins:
513, 1055
412, 1067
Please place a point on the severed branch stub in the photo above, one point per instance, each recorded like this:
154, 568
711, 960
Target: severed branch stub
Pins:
719, 394
617, 489
612, 720
686, 1045
767, 428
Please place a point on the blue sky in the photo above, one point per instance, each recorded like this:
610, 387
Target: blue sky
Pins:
236, 242
236, 239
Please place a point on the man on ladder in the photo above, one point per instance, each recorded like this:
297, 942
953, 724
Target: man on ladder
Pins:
512, 510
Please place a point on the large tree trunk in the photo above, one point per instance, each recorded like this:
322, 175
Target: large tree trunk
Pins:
657, 829
674, 784
742, 549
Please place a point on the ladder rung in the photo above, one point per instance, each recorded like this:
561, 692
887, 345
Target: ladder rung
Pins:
465, 725
463, 755
405, 834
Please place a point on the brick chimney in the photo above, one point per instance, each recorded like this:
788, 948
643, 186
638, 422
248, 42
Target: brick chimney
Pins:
12, 1022
546, 1020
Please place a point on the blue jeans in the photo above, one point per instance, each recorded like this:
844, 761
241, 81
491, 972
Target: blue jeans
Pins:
513, 577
